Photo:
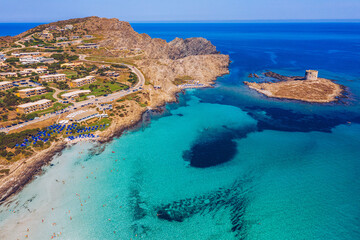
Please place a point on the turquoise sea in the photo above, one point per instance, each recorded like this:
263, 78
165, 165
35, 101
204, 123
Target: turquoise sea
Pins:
222, 163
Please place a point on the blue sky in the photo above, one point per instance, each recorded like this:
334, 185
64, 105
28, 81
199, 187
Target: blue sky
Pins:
178, 10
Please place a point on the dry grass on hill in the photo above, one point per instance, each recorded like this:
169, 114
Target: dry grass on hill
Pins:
320, 90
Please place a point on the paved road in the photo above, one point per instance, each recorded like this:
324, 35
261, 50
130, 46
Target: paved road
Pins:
20, 44
55, 94
97, 100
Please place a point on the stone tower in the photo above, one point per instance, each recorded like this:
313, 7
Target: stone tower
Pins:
311, 75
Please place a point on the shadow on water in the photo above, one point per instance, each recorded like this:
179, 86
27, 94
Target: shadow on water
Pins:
291, 121
215, 146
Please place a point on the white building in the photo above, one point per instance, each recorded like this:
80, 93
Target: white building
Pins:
82, 81
24, 54
89, 46
61, 39
6, 85
69, 27
74, 94
52, 77
2, 57
82, 115
34, 106
8, 74
32, 60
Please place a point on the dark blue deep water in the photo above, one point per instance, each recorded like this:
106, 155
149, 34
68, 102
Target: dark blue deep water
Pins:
223, 163
12, 29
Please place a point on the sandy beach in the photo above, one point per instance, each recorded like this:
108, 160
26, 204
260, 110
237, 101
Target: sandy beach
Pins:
22, 171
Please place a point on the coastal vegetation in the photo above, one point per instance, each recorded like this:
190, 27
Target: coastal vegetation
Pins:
65, 57
182, 80
8, 142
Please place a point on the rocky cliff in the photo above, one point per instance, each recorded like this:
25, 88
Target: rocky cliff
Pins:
118, 34
161, 61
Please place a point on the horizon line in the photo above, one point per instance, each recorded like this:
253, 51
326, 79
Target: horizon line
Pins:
250, 20
225, 21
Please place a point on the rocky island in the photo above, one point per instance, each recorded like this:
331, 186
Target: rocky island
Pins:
89, 78
308, 89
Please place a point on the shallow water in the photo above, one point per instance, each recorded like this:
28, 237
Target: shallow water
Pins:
224, 163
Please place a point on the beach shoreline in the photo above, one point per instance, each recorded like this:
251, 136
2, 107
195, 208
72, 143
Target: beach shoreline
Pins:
23, 172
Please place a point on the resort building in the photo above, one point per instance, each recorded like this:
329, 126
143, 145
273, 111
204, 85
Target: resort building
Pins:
20, 82
88, 36
69, 27
75, 42
39, 70
6, 85
29, 92
26, 72
74, 37
24, 54
62, 44
82, 81
82, 115
8, 74
29, 71
112, 74
34, 106
28, 60
2, 57
61, 39
31, 60
74, 94
54, 28
71, 64
104, 66
45, 35
46, 60
88, 46
52, 77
